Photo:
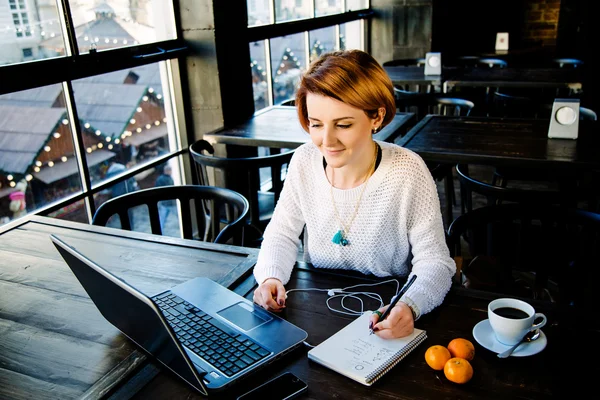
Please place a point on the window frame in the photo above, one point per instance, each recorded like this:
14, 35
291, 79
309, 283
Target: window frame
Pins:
73, 65
262, 32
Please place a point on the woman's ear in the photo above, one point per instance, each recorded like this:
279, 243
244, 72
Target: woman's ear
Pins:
381, 114
378, 120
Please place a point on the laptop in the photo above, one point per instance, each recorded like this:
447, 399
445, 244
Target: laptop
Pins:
206, 334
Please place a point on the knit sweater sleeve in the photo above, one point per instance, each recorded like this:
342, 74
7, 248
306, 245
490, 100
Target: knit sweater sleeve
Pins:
281, 239
431, 258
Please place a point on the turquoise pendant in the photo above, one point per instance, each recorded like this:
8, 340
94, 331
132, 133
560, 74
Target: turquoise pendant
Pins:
339, 238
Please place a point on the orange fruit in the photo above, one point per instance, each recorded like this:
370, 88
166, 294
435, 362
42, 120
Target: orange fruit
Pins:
462, 348
436, 357
458, 370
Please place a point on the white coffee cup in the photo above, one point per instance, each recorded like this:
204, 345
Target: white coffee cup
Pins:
511, 319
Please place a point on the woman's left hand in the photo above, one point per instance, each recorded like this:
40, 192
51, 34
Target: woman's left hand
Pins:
398, 324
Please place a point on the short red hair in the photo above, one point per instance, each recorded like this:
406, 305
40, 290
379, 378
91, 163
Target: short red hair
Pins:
352, 77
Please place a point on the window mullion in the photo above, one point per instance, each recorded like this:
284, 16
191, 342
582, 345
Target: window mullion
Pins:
272, 11
173, 104
269, 71
68, 28
78, 146
363, 34
307, 49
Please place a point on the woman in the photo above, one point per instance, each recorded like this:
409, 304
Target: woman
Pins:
367, 206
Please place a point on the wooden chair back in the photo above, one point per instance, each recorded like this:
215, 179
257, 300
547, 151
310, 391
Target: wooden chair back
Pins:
498, 194
431, 103
450, 106
530, 251
218, 211
243, 176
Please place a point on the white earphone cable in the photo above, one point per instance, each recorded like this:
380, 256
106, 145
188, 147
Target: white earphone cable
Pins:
344, 294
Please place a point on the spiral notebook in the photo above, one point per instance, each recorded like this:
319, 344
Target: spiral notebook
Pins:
355, 353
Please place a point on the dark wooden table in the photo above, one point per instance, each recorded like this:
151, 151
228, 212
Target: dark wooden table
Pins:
278, 127
536, 78
556, 372
503, 142
54, 343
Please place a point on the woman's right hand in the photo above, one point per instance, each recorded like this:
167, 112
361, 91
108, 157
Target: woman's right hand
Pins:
270, 295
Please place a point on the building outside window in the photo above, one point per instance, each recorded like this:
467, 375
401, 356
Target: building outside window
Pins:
71, 137
20, 17
278, 61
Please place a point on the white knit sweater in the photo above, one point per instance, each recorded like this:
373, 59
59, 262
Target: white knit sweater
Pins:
398, 223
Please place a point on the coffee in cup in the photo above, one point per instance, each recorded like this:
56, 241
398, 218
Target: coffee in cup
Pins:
511, 319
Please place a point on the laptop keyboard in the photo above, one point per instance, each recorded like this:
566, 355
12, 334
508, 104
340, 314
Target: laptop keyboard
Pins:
210, 339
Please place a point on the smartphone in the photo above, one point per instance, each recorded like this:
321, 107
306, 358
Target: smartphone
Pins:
285, 386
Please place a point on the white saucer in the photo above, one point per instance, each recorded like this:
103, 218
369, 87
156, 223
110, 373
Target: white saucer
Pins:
483, 333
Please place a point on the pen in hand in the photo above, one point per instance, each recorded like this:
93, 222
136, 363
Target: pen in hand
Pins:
396, 299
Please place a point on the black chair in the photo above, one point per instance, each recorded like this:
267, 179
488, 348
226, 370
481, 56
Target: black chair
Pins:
568, 62
530, 105
531, 109
587, 114
547, 253
514, 106
422, 104
431, 103
495, 195
466, 61
454, 106
405, 62
243, 176
218, 212
412, 101
288, 102
443, 171
482, 96
492, 63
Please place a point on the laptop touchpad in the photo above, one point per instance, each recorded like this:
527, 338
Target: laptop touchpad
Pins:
243, 316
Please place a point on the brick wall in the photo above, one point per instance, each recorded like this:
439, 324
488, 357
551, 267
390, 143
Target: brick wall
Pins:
541, 22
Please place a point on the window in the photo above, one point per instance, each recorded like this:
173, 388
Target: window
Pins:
287, 68
286, 37
20, 18
94, 114
290, 11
